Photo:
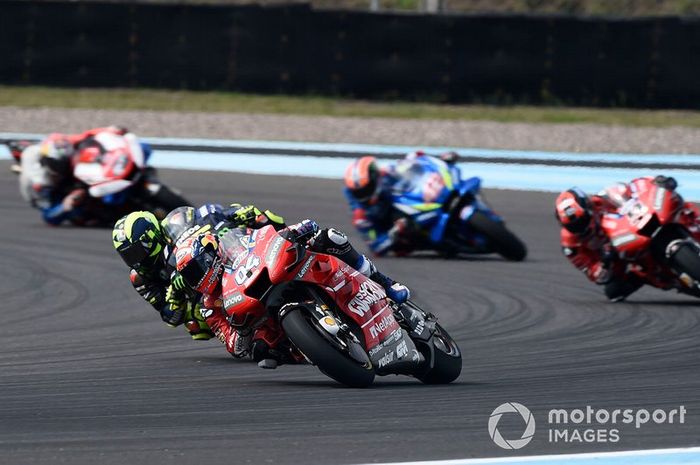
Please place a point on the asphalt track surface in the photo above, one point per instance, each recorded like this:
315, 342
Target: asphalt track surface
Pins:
89, 374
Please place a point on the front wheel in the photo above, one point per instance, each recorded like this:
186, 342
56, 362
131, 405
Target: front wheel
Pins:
329, 356
687, 260
503, 241
447, 361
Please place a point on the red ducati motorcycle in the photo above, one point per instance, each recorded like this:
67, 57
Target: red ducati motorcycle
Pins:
648, 234
341, 321
114, 170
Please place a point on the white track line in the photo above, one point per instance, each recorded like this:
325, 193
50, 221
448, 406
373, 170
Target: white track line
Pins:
689, 455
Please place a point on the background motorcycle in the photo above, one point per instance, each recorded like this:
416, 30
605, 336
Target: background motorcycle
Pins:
451, 211
647, 235
113, 169
340, 320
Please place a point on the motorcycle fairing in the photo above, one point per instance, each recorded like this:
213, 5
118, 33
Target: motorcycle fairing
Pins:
430, 187
262, 260
109, 170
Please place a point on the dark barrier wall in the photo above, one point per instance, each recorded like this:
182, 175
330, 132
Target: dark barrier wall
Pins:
495, 59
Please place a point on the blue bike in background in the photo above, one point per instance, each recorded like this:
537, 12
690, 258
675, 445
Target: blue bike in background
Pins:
450, 212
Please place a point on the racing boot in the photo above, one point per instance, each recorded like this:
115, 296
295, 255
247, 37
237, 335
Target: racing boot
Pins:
394, 290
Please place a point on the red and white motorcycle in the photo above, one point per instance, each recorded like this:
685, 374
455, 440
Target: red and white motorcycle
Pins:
337, 318
111, 167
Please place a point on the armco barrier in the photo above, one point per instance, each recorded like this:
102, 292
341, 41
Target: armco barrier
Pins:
648, 62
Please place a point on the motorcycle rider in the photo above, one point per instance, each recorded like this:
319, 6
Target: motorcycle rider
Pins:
51, 186
368, 189
144, 244
202, 263
587, 246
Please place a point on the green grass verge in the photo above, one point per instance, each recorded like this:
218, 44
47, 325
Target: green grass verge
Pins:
161, 100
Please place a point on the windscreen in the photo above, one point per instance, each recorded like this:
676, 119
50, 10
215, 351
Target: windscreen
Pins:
412, 176
177, 222
235, 244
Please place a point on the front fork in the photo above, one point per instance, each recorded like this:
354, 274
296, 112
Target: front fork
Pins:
335, 330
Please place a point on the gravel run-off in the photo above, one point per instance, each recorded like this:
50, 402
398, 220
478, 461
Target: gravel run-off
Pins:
481, 134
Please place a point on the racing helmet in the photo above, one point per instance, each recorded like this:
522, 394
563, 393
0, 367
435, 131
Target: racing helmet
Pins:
574, 212
138, 239
362, 177
55, 155
199, 262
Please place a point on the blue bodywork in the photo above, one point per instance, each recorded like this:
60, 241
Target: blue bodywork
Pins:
426, 193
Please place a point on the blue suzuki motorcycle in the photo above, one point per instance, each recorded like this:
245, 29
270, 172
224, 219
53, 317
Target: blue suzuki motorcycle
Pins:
450, 212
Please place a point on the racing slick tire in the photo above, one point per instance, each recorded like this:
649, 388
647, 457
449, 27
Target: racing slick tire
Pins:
504, 242
447, 365
687, 260
307, 337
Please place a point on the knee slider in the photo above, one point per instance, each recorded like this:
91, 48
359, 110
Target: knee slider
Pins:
136, 278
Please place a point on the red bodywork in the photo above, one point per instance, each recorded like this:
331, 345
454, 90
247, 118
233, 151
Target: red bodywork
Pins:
262, 260
112, 168
631, 229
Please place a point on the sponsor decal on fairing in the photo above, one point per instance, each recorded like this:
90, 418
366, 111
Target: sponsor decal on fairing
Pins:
233, 300
273, 251
305, 268
368, 294
379, 327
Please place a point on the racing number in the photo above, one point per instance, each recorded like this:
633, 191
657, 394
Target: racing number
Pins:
635, 211
243, 271
433, 186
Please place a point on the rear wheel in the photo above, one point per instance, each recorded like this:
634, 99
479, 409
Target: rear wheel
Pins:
330, 356
504, 242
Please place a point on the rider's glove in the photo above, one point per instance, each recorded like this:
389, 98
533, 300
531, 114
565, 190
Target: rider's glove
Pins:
667, 182
245, 216
304, 230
